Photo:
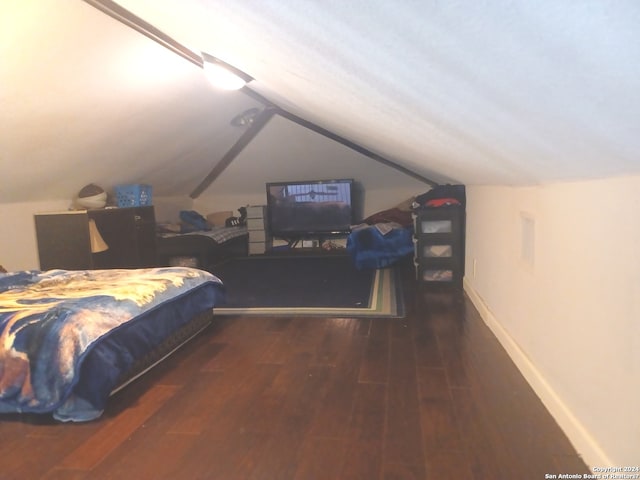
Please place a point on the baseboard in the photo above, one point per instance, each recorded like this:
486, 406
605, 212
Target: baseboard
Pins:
581, 439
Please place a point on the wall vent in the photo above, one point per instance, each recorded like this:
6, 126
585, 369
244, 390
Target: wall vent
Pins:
528, 237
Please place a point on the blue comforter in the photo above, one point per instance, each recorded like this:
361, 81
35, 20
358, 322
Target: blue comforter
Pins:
380, 245
50, 321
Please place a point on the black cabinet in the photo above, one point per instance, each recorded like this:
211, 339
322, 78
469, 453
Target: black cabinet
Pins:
439, 244
64, 238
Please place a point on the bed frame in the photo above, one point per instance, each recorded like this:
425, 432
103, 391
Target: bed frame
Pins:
178, 339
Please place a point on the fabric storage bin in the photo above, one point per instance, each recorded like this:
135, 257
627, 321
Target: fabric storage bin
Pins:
435, 226
437, 275
437, 251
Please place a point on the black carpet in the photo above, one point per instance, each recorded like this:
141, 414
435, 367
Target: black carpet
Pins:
295, 281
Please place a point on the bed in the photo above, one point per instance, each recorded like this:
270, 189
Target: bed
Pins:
203, 248
69, 339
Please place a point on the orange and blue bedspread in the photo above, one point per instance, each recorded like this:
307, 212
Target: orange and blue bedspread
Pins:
67, 336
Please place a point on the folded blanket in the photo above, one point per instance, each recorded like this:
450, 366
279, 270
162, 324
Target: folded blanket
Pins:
379, 245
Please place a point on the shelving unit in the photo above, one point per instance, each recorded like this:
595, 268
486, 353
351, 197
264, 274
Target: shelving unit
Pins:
259, 238
439, 245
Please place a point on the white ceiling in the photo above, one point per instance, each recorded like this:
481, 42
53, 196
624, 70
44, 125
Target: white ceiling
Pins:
86, 99
475, 91
500, 92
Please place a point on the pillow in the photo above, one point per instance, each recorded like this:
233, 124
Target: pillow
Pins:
217, 219
193, 221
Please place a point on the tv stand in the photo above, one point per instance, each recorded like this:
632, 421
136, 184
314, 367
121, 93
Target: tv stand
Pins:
303, 252
319, 245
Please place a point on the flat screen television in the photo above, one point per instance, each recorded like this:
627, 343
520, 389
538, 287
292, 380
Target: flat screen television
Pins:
312, 208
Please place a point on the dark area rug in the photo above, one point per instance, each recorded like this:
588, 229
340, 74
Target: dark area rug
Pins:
306, 285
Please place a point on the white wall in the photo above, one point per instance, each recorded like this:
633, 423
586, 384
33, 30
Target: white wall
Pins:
555, 271
167, 209
286, 151
375, 199
18, 246
18, 250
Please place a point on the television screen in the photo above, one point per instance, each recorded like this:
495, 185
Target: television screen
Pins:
309, 208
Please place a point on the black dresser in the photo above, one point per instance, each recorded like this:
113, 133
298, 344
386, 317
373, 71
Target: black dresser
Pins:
64, 238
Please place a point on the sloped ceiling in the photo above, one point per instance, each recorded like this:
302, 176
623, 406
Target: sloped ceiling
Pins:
297, 142
478, 92
86, 99
498, 92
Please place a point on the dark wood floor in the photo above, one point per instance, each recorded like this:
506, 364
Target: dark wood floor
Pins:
431, 396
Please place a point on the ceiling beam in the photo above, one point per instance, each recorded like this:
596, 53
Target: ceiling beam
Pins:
354, 146
138, 24
126, 17
337, 138
258, 123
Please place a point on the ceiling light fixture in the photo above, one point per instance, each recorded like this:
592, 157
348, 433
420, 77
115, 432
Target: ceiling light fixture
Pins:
246, 118
223, 75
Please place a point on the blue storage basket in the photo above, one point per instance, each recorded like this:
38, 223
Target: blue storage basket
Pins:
136, 195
